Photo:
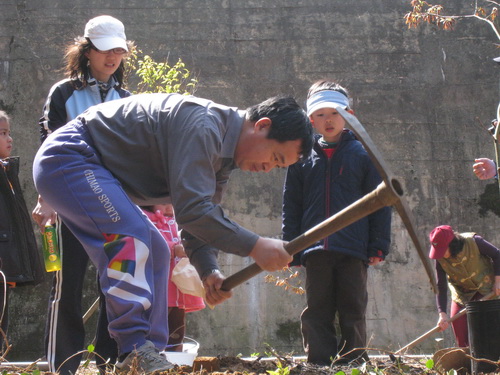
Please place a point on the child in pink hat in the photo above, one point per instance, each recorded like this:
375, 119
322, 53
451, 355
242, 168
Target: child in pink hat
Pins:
469, 266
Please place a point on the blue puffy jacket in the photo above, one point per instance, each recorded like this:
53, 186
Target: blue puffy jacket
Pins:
320, 187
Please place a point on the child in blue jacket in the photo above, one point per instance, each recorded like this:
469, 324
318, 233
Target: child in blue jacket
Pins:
338, 173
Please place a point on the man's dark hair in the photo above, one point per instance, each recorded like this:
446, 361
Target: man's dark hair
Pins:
456, 245
289, 121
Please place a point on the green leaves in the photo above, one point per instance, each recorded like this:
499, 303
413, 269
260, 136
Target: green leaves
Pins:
159, 76
280, 370
429, 364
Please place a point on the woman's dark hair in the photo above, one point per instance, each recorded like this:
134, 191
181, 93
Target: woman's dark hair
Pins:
76, 66
457, 244
289, 121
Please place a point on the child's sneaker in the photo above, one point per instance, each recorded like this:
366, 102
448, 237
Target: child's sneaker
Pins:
149, 360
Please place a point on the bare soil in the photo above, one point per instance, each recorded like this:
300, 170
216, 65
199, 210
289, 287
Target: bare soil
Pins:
265, 366
282, 365
257, 366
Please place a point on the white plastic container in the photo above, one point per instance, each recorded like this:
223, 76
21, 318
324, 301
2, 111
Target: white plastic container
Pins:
187, 356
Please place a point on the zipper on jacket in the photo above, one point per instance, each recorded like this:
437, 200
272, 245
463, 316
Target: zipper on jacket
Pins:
328, 185
327, 193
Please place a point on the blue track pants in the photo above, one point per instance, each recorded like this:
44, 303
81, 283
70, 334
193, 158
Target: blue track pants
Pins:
129, 253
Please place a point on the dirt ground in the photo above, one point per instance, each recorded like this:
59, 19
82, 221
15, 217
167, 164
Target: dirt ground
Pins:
237, 366
387, 365
278, 366
257, 366
281, 365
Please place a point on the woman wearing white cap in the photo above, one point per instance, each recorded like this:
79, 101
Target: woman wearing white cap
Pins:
94, 69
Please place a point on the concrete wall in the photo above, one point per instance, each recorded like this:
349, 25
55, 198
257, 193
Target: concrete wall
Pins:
421, 94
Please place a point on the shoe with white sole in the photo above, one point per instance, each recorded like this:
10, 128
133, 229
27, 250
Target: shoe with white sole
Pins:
147, 358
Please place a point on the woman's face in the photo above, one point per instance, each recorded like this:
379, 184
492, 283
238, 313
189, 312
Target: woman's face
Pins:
103, 64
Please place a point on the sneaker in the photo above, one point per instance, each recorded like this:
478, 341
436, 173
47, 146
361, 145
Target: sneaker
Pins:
147, 359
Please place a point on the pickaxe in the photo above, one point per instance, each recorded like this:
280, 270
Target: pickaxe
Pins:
388, 193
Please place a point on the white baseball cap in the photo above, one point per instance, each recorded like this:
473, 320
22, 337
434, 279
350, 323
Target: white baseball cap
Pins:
105, 33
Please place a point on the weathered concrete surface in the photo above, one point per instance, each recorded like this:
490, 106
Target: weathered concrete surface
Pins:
422, 95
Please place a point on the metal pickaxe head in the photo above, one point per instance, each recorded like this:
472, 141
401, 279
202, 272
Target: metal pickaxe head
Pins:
389, 193
400, 203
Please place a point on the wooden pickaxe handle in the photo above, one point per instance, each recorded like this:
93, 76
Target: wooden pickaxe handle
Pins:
384, 195
437, 329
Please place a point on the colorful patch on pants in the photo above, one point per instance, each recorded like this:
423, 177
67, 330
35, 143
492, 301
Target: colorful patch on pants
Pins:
127, 260
121, 253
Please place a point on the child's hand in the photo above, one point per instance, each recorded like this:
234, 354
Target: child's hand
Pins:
373, 261
43, 213
179, 251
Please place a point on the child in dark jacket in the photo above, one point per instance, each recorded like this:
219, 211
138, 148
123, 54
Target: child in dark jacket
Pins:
338, 173
20, 258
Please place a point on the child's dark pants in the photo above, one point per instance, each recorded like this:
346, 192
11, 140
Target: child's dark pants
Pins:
335, 284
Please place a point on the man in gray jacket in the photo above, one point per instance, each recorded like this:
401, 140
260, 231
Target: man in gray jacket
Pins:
152, 149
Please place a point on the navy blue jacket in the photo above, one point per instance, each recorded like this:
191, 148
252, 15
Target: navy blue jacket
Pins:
320, 187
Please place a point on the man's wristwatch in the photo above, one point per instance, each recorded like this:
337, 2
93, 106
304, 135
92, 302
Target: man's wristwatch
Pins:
208, 273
